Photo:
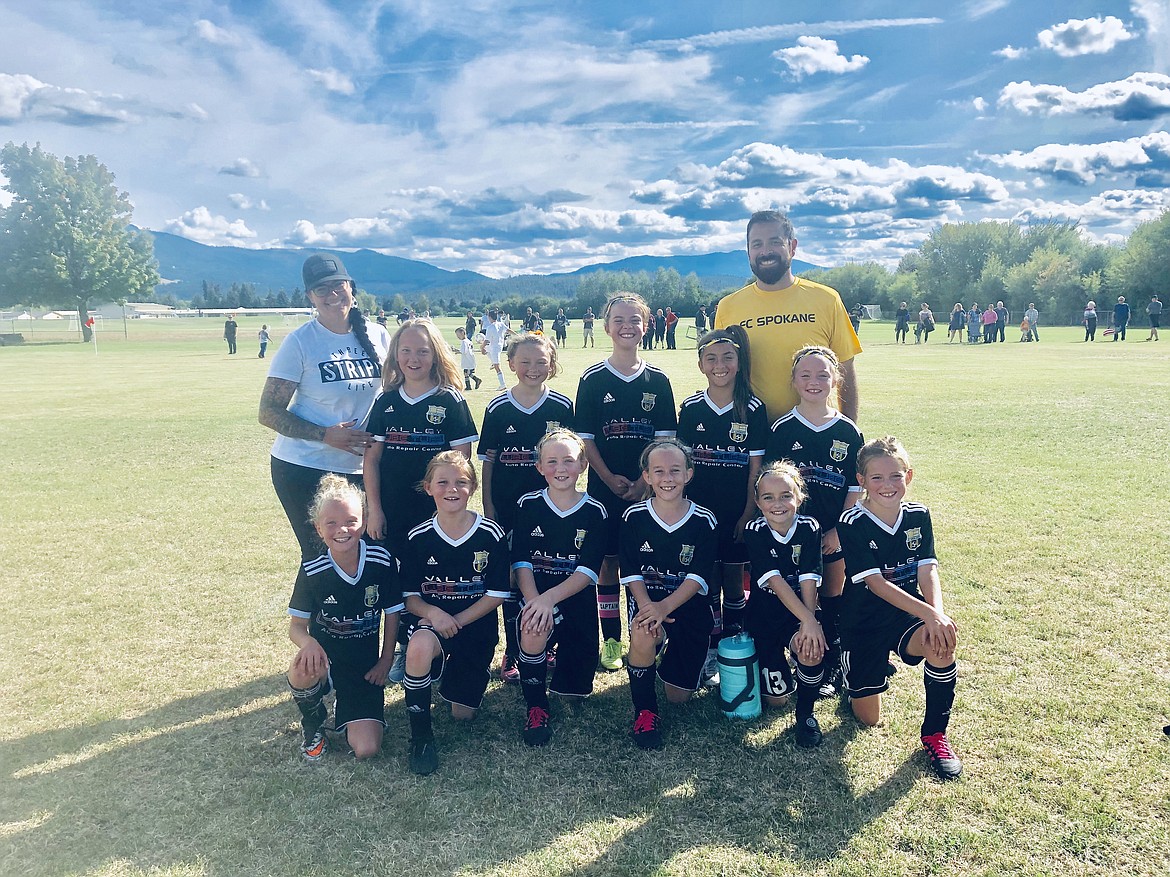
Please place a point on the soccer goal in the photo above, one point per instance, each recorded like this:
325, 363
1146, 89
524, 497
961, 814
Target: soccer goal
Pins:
872, 312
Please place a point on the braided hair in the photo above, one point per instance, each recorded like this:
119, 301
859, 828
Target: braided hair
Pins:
357, 325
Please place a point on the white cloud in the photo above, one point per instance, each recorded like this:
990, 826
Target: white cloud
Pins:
816, 55
1137, 97
200, 225
25, 98
1156, 14
977, 9
241, 167
1082, 163
217, 36
333, 80
243, 202
1115, 207
1084, 36
980, 105
770, 33
1011, 53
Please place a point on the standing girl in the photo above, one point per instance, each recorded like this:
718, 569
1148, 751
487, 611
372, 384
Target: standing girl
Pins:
785, 552
338, 603
957, 324
454, 575
420, 413
823, 443
513, 425
1090, 321
557, 549
264, 339
623, 403
727, 429
668, 546
901, 323
893, 599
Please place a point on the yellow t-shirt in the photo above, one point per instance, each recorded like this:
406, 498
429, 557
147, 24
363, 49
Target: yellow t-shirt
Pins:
780, 323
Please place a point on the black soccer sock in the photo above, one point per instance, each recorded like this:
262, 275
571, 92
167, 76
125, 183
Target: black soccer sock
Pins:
830, 609
642, 690
607, 611
534, 679
418, 706
940, 696
311, 703
717, 621
808, 680
511, 637
733, 611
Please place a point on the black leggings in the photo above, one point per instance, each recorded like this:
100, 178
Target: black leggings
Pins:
295, 488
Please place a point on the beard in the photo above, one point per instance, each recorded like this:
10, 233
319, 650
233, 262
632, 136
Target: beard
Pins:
774, 272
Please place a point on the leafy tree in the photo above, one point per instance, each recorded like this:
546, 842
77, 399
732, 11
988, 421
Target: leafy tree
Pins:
1141, 269
65, 239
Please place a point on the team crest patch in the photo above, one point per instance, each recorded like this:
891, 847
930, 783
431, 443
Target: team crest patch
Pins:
839, 451
738, 432
913, 538
686, 555
648, 401
580, 539
436, 414
372, 596
796, 554
480, 561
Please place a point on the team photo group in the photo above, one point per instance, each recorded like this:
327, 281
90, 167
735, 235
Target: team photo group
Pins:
753, 508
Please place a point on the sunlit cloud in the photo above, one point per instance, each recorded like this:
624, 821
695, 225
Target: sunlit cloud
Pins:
817, 55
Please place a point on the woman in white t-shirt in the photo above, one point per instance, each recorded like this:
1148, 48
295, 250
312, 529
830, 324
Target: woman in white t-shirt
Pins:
321, 384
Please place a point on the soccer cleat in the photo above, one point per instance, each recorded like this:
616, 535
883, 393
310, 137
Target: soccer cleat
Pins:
943, 760
646, 732
398, 668
509, 669
710, 675
808, 733
611, 655
314, 746
536, 730
551, 657
424, 758
831, 684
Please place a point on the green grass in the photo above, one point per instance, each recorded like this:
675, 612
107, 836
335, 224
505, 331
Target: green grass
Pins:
148, 729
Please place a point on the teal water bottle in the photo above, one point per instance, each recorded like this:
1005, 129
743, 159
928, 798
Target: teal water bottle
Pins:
739, 677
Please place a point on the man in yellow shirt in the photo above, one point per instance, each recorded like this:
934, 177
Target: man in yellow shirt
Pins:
782, 314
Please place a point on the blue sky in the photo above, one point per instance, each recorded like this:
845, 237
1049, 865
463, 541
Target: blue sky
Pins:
532, 137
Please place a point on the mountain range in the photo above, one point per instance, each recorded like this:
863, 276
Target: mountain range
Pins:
185, 264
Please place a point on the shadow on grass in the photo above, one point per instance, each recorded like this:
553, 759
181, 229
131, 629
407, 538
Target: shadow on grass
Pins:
215, 783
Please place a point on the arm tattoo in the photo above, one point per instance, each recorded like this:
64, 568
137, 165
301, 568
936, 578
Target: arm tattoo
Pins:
275, 415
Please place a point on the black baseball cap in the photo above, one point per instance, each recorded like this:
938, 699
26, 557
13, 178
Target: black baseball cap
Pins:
323, 268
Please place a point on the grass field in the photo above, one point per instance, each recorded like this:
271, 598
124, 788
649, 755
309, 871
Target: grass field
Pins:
148, 728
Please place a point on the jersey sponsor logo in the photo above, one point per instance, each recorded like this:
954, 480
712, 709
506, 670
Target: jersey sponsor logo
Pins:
537, 532
796, 554
436, 414
580, 538
797, 446
646, 547
330, 601
777, 319
432, 562
686, 555
608, 397
648, 401
510, 430
839, 450
372, 596
479, 561
700, 428
738, 432
337, 370
913, 538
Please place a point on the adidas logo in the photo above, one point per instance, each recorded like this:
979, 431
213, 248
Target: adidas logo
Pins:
330, 600
873, 545
389, 409
646, 547
700, 428
797, 446
537, 532
432, 562
510, 430
608, 398
773, 552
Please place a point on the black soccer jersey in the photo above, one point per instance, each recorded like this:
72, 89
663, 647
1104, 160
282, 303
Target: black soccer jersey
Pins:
722, 446
454, 573
345, 613
663, 555
622, 414
894, 553
795, 556
508, 439
555, 544
826, 456
414, 430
